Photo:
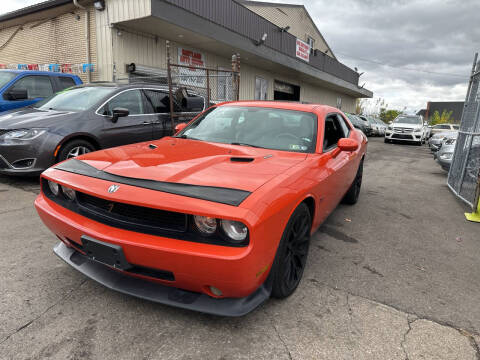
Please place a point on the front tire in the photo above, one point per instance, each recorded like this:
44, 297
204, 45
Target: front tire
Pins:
351, 197
289, 264
75, 148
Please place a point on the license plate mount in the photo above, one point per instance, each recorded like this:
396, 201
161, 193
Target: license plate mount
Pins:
105, 253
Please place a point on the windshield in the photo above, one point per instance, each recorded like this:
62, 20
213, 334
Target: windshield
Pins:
269, 128
408, 120
75, 99
5, 77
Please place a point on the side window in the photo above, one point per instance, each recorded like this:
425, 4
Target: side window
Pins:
456, 127
343, 124
333, 132
37, 86
65, 82
130, 99
158, 100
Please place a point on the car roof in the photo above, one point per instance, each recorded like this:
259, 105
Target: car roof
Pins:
123, 86
287, 105
35, 72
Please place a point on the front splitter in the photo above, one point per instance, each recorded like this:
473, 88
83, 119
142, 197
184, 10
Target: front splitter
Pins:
155, 292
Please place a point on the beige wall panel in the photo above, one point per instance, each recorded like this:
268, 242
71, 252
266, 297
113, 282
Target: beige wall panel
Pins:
295, 17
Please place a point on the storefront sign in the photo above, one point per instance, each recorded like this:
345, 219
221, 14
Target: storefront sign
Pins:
303, 50
191, 76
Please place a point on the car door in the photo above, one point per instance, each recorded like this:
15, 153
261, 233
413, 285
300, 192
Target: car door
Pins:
136, 127
158, 108
38, 87
333, 175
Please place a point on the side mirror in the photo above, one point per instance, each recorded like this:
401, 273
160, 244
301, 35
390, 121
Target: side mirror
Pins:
180, 127
20, 94
118, 113
346, 144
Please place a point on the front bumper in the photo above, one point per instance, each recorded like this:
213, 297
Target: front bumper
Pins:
237, 271
29, 158
155, 292
392, 135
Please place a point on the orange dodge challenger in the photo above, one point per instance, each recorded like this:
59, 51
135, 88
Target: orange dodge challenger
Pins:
217, 218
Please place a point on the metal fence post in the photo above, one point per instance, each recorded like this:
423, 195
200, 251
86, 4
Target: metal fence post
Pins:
170, 92
208, 87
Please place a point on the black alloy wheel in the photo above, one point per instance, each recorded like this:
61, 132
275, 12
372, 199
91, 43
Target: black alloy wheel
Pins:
292, 253
352, 195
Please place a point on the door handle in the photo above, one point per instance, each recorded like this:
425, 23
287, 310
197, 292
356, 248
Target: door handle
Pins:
147, 123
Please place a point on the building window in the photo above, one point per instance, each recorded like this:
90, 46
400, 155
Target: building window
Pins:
339, 103
261, 88
311, 42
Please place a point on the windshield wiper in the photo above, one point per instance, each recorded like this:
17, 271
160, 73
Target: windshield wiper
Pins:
187, 137
244, 144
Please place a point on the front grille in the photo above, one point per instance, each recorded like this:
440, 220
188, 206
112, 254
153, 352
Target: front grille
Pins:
403, 130
139, 219
143, 216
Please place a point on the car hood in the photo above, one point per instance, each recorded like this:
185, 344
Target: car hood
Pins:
194, 162
31, 118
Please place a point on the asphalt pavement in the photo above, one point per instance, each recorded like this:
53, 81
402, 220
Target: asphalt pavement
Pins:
396, 276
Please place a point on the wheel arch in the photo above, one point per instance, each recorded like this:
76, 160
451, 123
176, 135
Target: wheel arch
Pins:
80, 136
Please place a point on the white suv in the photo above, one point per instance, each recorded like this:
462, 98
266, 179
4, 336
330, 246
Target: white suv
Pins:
406, 128
436, 129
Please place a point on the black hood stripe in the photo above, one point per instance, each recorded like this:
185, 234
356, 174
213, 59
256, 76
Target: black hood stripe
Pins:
210, 193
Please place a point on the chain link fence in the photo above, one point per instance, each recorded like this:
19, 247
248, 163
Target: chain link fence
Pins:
464, 174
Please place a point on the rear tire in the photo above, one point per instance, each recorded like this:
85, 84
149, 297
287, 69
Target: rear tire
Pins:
289, 263
75, 148
351, 197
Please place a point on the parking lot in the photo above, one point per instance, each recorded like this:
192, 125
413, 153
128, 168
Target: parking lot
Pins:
396, 276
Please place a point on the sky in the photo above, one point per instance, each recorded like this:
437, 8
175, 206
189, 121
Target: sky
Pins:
410, 51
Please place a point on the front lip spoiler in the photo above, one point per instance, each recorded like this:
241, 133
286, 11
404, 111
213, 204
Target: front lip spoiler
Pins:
162, 294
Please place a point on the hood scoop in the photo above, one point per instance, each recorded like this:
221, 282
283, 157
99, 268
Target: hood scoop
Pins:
241, 159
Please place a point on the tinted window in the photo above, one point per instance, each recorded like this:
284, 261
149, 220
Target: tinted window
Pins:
5, 77
269, 128
65, 82
333, 132
158, 101
77, 99
130, 99
456, 127
36, 86
442, 127
413, 120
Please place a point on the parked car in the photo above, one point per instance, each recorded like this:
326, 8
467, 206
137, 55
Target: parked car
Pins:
435, 129
406, 128
368, 126
435, 142
374, 125
87, 118
217, 218
358, 123
444, 155
19, 88
381, 126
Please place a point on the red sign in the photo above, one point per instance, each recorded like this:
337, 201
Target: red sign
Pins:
190, 57
303, 50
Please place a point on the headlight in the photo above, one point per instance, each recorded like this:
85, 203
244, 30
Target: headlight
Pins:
446, 156
206, 225
235, 230
54, 188
69, 193
23, 134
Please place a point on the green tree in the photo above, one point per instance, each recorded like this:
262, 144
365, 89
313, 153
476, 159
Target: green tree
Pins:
388, 116
444, 118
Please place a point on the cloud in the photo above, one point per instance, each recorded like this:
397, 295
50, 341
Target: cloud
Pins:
398, 37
